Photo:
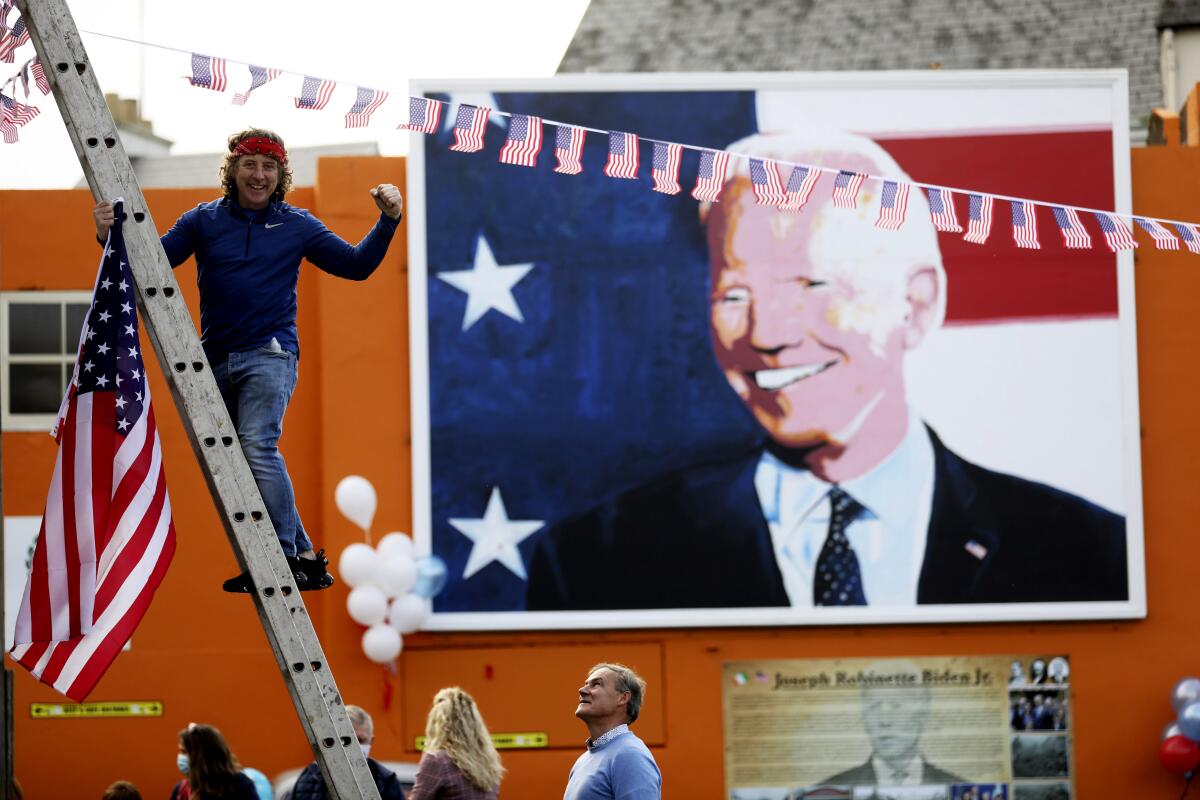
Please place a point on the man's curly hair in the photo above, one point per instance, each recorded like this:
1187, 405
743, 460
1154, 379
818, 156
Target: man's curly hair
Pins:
229, 167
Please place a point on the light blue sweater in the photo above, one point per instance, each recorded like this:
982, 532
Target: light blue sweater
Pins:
620, 769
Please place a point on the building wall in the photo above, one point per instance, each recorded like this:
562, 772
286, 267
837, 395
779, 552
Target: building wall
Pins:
204, 655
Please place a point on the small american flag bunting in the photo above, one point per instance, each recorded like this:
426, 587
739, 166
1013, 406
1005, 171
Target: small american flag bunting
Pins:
315, 93
623, 158
845, 188
766, 183
469, 126
710, 179
1024, 222
208, 72
13, 115
424, 115
366, 102
568, 149
1163, 238
941, 210
1115, 233
39, 76
979, 218
799, 188
9, 42
1075, 236
524, 141
1189, 235
259, 76
667, 158
893, 205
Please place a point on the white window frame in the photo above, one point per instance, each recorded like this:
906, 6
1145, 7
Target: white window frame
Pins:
31, 422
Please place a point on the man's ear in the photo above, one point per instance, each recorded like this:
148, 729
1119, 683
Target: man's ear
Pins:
922, 296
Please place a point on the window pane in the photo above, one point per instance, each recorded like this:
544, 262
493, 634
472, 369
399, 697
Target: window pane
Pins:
35, 388
35, 328
76, 314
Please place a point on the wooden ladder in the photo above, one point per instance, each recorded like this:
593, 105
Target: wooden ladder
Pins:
166, 320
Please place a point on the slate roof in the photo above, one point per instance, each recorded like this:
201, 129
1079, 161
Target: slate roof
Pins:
774, 35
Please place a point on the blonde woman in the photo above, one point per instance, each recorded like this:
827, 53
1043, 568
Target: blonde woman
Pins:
460, 762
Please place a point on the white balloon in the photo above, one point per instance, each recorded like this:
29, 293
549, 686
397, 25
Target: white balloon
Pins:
395, 543
357, 564
408, 613
355, 497
367, 605
396, 575
381, 643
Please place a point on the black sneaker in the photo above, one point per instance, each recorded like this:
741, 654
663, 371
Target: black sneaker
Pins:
314, 572
239, 585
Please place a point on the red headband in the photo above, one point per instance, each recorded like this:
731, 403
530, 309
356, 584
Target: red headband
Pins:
260, 145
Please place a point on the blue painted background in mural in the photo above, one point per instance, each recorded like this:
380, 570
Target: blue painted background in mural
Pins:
609, 379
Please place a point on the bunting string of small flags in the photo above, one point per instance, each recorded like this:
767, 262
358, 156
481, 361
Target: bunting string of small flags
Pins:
524, 142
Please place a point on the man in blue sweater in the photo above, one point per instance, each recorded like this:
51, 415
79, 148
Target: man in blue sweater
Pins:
248, 246
617, 765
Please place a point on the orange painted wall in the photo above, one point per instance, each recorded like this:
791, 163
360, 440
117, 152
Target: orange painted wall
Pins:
203, 654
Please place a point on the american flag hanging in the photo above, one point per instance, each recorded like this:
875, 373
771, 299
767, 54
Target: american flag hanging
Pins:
766, 183
667, 158
1189, 235
423, 115
1075, 236
623, 159
893, 205
315, 93
39, 76
524, 141
979, 218
259, 76
710, 179
106, 537
941, 210
845, 188
13, 115
469, 126
1163, 238
1115, 233
208, 72
799, 188
15, 37
366, 102
568, 149
1024, 222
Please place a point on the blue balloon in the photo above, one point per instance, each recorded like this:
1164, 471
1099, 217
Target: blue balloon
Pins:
1189, 721
1186, 690
261, 784
431, 577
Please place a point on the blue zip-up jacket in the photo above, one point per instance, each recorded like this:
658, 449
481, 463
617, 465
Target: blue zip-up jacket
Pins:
248, 263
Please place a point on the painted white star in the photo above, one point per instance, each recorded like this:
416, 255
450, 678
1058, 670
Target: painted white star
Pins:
129, 332
122, 424
120, 402
488, 285
104, 316
496, 537
88, 366
102, 349
136, 374
104, 284
102, 381
90, 334
126, 308
122, 286
132, 350
478, 99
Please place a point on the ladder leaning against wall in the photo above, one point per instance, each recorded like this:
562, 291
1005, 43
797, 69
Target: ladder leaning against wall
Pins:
169, 325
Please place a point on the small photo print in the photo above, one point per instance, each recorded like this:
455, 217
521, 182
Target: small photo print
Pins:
1042, 791
979, 791
1039, 756
1037, 709
1040, 671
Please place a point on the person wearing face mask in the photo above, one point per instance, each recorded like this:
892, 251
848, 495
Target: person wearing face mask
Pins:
211, 771
249, 245
311, 786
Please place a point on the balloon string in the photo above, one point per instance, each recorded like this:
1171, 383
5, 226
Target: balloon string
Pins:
1190, 775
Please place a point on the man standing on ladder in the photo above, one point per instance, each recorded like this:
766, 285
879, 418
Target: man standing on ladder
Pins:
248, 247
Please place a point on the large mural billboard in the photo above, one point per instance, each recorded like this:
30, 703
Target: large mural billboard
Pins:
634, 408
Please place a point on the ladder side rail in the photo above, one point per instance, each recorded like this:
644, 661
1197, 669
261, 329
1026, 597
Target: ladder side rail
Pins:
171, 331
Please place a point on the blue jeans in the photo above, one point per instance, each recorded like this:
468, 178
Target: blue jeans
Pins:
256, 387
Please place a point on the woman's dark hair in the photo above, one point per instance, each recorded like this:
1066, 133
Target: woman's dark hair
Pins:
211, 766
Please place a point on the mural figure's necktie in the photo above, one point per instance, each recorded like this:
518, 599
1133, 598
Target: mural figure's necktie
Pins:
838, 580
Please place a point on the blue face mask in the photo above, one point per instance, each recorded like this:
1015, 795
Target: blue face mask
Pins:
181, 761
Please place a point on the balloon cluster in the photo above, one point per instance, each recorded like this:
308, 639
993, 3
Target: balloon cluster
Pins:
390, 587
1180, 748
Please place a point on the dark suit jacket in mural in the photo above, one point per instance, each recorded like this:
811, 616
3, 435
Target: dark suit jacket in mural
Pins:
864, 774
698, 539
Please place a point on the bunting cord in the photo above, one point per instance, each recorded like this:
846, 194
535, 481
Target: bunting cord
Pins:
742, 156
